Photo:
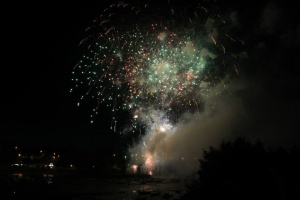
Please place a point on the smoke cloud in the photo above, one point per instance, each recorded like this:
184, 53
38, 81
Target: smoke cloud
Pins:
258, 105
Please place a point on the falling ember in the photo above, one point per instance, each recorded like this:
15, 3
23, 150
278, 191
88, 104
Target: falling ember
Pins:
134, 168
149, 161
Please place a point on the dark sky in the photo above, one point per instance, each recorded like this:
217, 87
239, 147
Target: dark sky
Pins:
41, 47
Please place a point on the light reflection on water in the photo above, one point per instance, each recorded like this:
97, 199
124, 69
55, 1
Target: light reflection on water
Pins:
131, 188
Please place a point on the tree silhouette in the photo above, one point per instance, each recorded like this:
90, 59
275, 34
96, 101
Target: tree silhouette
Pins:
242, 170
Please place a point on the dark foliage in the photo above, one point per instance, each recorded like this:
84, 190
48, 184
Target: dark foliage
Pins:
243, 170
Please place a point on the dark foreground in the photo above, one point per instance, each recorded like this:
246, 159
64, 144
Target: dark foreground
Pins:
74, 186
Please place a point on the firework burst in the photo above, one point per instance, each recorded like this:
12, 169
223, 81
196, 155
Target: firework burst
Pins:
154, 62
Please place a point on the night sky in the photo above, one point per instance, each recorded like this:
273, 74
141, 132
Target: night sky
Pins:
41, 47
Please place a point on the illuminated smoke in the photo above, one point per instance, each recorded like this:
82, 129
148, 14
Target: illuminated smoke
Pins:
169, 70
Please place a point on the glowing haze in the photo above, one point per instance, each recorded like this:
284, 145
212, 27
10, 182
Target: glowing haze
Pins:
173, 69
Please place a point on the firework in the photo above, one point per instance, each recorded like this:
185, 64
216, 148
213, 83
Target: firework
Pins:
154, 62
142, 57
